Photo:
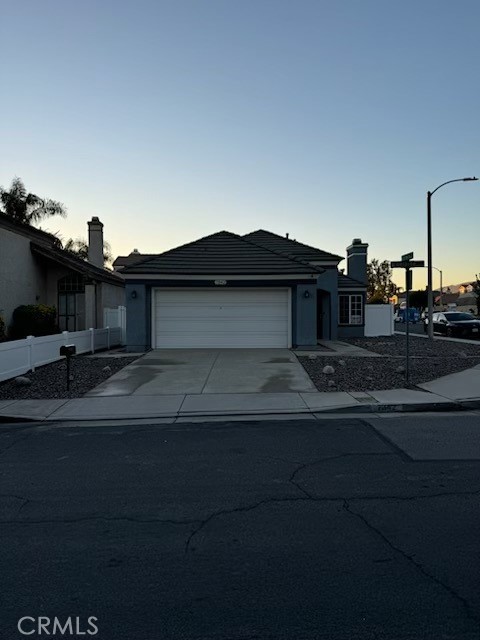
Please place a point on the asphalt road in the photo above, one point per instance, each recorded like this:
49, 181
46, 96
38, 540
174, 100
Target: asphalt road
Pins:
288, 529
418, 327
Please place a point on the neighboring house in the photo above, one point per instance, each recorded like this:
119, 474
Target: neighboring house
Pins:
231, 291
34, 269
467, 302
444, 299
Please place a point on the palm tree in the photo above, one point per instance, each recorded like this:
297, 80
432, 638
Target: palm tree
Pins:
28, 207
79, 248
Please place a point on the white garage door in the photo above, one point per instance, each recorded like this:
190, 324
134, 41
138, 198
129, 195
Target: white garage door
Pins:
223, 318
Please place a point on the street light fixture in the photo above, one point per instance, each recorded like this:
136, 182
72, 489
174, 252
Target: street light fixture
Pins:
429, 250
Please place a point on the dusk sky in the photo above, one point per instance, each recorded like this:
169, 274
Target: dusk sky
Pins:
174, 120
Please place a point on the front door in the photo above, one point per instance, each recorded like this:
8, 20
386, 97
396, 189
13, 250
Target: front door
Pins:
319, 316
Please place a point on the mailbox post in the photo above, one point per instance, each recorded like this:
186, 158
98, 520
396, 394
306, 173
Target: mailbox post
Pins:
407, 263
68, 350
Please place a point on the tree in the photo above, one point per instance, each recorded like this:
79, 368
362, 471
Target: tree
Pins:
476, 291
380, 285
79, 248
28, 207
419, 299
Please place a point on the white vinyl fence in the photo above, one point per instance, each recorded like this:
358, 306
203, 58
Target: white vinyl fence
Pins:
116, 318
19, 356
379, 320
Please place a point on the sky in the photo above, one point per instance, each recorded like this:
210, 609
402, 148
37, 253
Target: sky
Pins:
172, 120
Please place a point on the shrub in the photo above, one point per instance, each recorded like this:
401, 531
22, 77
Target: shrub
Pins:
3, 330
33, 320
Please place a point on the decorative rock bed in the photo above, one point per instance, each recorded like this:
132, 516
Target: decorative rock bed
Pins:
50, 381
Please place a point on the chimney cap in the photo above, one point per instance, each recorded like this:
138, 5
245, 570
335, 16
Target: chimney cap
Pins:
357, 241
95, 220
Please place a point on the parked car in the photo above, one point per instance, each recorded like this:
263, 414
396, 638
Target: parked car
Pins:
455, 323
401, 315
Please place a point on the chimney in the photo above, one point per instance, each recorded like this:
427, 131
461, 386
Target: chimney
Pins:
357, 260
95, 242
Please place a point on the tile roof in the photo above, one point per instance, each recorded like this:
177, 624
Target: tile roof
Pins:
132, 258
344, 282
289, 247
66, 259
222, 253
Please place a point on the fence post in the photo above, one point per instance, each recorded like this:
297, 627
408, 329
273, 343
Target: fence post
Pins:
92, 340
108, 337
31, 363
123, 323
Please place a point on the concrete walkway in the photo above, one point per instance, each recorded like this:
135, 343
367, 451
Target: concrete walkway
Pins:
464, 385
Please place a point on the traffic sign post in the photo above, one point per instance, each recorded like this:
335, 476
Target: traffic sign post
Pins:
408, 264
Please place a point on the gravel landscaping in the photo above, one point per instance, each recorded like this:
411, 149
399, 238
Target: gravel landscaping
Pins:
395, 346
50, 381
366, 374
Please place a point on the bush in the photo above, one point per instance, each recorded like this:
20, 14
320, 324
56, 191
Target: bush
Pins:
3, 330
377, 298
33, 320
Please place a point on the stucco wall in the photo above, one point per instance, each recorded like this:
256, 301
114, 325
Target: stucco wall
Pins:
22, 277
351, 331
138, 317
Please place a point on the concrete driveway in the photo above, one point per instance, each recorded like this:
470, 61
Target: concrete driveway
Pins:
187, 371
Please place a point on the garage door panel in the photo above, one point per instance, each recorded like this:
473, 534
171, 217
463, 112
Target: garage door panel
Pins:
221, 311
221, 318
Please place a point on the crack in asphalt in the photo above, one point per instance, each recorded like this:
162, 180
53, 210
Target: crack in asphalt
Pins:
251, 507
463, 601
307, 498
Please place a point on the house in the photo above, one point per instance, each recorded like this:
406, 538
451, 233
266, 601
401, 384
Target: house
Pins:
232, 291
34, 269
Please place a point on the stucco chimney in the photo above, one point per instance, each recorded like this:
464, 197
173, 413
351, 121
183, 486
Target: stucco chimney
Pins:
95, 242
357, 260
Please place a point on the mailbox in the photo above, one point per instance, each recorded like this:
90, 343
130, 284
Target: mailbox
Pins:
68, 350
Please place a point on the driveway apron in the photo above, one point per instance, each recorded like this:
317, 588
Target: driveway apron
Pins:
205, 371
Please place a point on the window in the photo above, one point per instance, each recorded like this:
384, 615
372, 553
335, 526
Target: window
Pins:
350, 309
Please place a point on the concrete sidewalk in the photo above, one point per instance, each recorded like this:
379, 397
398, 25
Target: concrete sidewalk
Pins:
224, 404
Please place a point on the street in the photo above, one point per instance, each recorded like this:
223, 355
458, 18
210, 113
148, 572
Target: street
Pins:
417, 327
341, 528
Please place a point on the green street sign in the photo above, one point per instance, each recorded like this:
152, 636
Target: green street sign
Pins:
406, 264
407, 256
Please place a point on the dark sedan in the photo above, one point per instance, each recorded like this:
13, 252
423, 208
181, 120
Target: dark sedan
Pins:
455, 323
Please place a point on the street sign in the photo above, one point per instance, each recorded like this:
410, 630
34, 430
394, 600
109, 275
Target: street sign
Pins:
406, 264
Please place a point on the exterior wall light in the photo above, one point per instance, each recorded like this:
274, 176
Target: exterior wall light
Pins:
306, 294
133, 294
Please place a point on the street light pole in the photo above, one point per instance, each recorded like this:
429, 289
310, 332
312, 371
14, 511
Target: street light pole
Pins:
429, 251
441, 288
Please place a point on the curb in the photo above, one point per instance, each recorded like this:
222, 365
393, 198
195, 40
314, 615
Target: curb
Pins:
361, 409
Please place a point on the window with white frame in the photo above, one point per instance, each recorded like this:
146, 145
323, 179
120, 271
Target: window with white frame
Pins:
350, 309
